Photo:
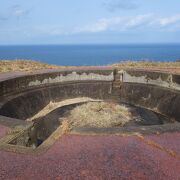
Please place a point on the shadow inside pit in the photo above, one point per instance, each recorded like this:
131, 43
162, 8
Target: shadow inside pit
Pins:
43, 127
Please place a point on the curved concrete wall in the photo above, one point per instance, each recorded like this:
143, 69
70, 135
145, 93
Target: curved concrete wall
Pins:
26, 81
170, 81
157, 91
24, 95
29, 103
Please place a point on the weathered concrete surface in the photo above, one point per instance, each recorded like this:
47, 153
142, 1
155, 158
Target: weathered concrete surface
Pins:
154, 90
153, 78
11, 122
11, 75
74, 76
161, 100
3, 130
29, 103
16, 82
93, 157
167, 140
97, 157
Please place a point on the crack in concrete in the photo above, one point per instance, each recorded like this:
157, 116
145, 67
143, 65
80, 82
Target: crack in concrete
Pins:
158, 146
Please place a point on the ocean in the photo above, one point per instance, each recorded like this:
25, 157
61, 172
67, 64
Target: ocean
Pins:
75, 55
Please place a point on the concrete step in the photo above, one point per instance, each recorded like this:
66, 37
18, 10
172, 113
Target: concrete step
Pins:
114, 87
117, 77
115, 99
116, 84
115, 93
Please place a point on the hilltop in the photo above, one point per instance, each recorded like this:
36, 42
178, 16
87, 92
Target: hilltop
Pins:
30, 65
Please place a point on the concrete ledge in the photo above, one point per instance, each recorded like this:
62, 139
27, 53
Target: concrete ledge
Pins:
25, 81
171, 81
17, 82
27, 93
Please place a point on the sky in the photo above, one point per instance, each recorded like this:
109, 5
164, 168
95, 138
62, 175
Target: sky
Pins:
89, 21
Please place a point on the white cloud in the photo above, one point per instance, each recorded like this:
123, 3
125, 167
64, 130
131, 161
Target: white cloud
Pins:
20, 12
52, 30
99, 26
114, 5
169, 20
121, 23
16, 12
125, 23
144, 22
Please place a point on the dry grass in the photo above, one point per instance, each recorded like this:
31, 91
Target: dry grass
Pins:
23, 65
146, 64
29, 65
66, 128
54, 105
16, 130
99, 114
149, 65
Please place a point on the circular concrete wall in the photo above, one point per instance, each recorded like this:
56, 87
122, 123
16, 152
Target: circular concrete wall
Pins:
24, 94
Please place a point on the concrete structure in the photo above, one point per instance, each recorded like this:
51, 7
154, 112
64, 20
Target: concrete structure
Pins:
153, 90
22, 95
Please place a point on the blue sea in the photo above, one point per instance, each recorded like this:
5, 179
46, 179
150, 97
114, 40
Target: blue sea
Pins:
91, 54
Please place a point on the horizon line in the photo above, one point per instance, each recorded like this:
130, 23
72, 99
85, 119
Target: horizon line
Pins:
76, 44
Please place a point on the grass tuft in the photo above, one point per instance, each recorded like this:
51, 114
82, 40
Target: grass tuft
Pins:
150, 65
99, 114
65, 126
23, 65
29, 65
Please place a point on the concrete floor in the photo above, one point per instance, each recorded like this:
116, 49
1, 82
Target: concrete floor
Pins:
98, 157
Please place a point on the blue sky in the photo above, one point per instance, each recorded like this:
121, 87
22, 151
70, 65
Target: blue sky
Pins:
89, 21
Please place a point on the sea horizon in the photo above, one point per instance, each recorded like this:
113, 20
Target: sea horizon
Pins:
91, 54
